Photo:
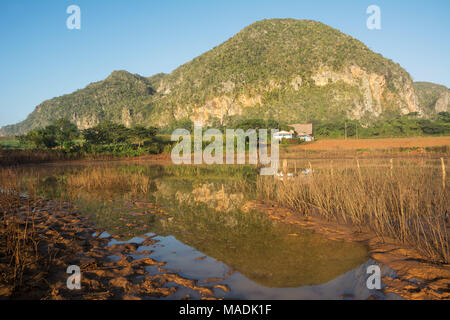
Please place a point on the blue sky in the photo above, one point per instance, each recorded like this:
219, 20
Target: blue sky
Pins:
40, 58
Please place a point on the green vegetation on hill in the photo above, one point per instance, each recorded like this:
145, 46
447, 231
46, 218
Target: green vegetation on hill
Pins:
265, 71
113, 99
405, 126
263, 59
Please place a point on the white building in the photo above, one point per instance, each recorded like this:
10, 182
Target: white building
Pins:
280, 135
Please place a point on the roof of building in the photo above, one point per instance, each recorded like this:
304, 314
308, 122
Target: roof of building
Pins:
305, 129
283, 133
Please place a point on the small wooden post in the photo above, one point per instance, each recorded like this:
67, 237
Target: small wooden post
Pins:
359, 169
285, 169
345, 131
444, 174
392, 167
332, 171
310, 169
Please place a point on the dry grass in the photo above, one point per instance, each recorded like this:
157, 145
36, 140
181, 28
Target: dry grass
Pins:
106, 180
19, 244
407, 202
12, 157
413, 148
16, 157
374, 144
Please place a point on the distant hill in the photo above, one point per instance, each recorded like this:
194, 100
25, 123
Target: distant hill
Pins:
285, 69
107, 99
432, 98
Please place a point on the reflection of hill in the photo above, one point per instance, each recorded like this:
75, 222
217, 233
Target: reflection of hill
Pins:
217, 196
271, 254
217, 200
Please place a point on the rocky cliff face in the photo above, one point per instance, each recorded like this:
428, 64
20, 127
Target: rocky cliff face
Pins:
443, 102
372, 87
432, 98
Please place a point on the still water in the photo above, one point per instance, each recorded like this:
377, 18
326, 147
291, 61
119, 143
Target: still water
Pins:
204, 232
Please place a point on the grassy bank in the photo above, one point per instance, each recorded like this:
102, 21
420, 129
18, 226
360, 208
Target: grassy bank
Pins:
406, 201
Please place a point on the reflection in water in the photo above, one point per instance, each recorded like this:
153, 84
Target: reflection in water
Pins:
203, 233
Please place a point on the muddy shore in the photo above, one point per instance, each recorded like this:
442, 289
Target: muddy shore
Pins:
56, 236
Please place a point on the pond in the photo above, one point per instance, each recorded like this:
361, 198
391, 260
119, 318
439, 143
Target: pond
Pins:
204, 232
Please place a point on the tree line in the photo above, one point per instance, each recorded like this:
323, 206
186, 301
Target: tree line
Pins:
106, 137
400, 126
113, 138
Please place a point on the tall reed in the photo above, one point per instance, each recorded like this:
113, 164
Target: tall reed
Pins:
18, 242
407, 203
